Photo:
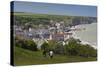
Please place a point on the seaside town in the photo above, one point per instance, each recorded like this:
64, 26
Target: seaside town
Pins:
56, 31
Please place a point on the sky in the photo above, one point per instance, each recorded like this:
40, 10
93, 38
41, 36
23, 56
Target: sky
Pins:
55, 9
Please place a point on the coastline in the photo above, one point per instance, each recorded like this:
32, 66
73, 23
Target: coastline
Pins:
83, 41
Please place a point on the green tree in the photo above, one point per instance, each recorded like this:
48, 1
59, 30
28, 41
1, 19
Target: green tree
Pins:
87, 51
52, 44
59, 49
72, 47
45, 46
25, 43
31, 45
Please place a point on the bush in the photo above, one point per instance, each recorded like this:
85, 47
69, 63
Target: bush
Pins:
26, 44
59, 49
45, 46
74, 48
87, 51
31, 45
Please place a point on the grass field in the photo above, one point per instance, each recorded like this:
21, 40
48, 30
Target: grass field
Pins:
26, 57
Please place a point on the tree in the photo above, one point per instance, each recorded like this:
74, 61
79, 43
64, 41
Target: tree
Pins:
52, 44
59, 49
31, 45
25, 43
72, 47
44, 46
87, 51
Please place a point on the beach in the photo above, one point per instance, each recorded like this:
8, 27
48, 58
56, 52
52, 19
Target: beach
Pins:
87, 34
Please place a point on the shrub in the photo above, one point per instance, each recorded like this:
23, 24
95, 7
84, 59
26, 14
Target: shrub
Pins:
87, 51
59, 49
26, 44
74, 48
45, 46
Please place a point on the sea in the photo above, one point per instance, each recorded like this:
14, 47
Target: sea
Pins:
87, 33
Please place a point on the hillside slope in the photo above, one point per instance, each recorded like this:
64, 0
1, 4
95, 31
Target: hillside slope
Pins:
26, 57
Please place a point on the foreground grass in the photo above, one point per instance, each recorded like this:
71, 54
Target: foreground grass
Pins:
26, 57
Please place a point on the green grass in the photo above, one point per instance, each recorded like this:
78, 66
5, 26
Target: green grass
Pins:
26, 57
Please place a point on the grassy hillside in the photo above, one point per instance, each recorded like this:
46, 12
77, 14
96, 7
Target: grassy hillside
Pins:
21, 18
26, 57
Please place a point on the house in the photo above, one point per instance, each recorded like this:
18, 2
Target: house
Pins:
58, 37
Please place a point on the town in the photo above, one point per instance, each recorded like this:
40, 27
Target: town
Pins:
57, 32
